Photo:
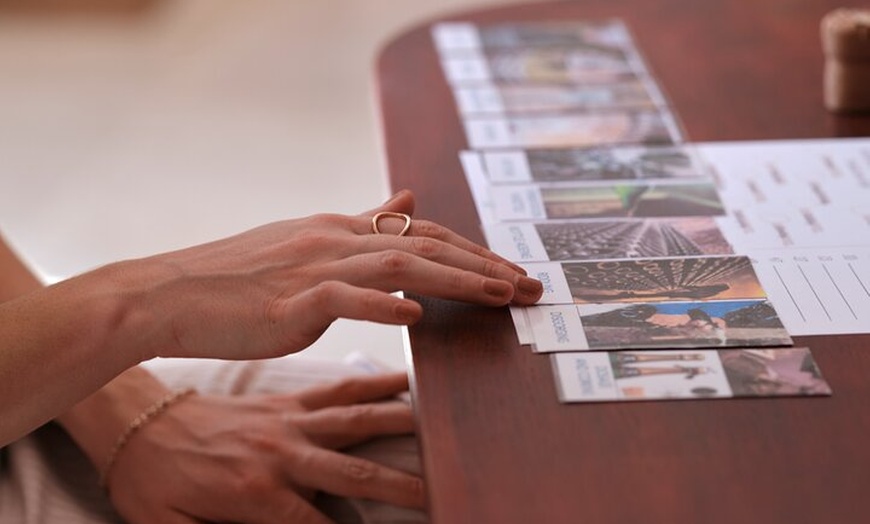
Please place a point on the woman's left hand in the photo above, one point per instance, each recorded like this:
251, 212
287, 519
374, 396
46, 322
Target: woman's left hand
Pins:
260, 458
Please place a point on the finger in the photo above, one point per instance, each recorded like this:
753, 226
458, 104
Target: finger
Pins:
260, 500
178, 518
425, 228
280, 506
528, 290
401, 202
342, 426
301, 319
397, 270
349, 476
353, 390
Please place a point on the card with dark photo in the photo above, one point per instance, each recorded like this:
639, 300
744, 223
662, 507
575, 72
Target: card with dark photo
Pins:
701, 374
605, 239
663, 279
693, 279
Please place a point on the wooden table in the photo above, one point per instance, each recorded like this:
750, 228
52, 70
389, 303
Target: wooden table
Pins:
497, 445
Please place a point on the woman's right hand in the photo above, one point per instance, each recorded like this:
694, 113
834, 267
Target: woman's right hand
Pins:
275, 289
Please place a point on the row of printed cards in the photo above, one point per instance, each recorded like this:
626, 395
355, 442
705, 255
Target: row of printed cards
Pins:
552, 85
579, 175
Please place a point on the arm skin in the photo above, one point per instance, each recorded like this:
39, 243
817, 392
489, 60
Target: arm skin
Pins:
226, 432
264, 293
221, 427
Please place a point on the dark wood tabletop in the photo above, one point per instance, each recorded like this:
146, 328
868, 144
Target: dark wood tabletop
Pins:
497, 445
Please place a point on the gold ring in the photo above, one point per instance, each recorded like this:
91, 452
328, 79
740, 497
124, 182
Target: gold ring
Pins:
390, 214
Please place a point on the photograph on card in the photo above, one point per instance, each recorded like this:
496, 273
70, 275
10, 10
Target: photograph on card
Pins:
452, 37
701, 374
607, 239
771, 372
738, 323
520, 99
589, 128
595, 164
582, 64
649, 280
632, 200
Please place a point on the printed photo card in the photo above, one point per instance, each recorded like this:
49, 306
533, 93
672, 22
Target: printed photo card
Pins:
651, 325
647, 280
453, 38
594, 164
584, 64
512, 99
606, 239
699, 374
587, 200
588, 128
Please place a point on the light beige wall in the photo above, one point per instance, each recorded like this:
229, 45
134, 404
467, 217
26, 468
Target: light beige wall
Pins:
124, 136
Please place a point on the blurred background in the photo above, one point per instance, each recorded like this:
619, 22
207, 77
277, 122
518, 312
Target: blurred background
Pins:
131, 127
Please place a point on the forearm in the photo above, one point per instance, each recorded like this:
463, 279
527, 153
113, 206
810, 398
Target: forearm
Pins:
15, 277
61, 343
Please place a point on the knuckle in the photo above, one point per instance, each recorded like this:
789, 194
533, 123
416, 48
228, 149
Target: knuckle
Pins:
309, 240
490, 268
357, 414
349, 387
356, 470
324, 294
370, 301
262, 442
429, 229
254, 484
458, 279
416, 488
394, 262
275, 311
425, 246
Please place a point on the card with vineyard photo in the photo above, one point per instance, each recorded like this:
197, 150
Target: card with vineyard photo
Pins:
607, 239
690, 279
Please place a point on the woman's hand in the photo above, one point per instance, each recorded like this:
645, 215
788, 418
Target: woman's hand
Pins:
264, 293
275, 289
252, 458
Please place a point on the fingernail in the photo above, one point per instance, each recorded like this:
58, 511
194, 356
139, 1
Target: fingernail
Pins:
530, 286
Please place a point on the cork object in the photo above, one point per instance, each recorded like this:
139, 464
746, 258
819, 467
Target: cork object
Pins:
846, 44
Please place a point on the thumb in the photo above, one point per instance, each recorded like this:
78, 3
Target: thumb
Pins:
401, 202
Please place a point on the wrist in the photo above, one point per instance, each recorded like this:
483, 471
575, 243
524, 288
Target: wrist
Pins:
96, 423
139, 325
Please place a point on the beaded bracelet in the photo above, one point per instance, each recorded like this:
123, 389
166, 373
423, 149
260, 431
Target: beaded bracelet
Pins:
146, 416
